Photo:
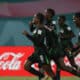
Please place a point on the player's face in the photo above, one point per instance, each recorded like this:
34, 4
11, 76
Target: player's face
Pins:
60, 21
35, 19
48, 15
76, 21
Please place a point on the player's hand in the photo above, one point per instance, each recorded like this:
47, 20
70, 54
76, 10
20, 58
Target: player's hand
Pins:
25, 32
68, 49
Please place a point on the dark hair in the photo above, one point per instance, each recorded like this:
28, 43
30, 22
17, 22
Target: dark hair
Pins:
52, 11
40, 16
77, 14
62, 17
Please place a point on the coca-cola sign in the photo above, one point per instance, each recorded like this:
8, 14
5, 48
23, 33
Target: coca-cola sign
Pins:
12, 59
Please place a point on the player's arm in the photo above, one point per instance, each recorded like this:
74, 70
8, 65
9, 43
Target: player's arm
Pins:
37, 41
32, 25
69, 35
28, 36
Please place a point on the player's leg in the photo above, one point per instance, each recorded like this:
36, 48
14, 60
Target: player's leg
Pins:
58, 73
41, 70
68, 53
46, 65
27, 66
71, 59
67, 68
75, 51
53, 56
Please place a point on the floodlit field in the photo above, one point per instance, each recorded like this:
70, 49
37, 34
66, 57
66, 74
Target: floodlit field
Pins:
35, 78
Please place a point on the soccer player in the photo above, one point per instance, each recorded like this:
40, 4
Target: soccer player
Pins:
76, 19
54, 46
49, 14
40, 54
66, 34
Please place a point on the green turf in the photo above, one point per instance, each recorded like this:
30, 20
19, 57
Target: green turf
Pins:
35, 78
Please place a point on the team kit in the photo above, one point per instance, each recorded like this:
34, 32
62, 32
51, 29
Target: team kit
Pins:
51, 43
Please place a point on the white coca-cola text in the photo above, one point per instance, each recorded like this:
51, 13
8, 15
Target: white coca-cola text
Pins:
10, 61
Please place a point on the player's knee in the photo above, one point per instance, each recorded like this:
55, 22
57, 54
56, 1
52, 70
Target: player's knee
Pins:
27, 65
63, 67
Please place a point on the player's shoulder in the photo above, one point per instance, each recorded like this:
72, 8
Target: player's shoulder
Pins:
68, 27
48, 28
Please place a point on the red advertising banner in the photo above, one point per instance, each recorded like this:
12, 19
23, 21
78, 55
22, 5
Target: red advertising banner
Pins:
12, 59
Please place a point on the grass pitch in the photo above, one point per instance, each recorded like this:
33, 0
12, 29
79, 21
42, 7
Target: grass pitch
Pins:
35, 78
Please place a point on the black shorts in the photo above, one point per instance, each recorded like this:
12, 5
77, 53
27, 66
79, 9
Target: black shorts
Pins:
39, 57
56, 53
67, 44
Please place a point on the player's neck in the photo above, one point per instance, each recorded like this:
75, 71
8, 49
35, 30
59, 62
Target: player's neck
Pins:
40, 25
